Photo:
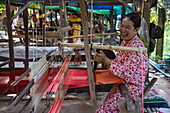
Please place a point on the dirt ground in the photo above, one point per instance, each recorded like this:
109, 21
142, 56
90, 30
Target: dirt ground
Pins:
73, 103
80, 102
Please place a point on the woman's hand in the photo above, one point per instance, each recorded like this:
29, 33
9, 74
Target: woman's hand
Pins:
101, 58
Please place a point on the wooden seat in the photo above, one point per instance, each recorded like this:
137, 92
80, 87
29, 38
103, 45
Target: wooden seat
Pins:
126, 104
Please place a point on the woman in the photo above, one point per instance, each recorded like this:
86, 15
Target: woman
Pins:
129, 66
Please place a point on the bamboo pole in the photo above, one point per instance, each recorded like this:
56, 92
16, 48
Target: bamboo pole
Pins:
108, 47
96, 34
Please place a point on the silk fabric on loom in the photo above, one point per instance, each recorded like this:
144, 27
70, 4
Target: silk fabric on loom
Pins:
75, 78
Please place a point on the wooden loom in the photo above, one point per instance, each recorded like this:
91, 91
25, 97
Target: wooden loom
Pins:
82, 3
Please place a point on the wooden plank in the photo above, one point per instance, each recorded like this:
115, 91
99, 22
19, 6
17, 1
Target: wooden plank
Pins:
9, 30
87, 51
149, 86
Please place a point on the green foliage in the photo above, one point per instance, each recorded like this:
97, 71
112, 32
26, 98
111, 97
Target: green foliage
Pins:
166, 46
167, 31
156, 58
2, 7
154, 16
166, 49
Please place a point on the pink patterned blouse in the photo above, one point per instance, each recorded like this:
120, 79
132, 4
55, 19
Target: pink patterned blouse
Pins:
132, 67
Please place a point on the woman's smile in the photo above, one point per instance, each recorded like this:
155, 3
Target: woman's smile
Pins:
127, 30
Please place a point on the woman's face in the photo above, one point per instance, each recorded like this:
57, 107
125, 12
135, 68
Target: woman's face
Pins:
127, 30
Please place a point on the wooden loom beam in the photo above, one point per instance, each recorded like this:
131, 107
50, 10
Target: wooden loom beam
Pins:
87, 51
108, 47
96, 34
123, 3
21, 10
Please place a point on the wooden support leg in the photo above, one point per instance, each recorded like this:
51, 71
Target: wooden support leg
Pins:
126, 104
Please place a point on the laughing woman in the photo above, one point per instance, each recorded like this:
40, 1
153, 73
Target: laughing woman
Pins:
129, 66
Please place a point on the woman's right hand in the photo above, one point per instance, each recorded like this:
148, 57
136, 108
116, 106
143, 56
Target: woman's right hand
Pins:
101, 58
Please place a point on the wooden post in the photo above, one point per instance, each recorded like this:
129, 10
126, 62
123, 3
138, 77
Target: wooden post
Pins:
43, 27
63, 16
9, 30
87, 51
123, 15
40, 13
26, 36
123, 11
161, 23
111, 22
146, 16
146, 11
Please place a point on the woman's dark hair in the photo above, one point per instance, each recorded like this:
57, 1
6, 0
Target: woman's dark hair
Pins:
135, 18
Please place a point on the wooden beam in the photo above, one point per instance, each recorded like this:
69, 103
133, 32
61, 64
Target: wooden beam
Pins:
94, 4
87, 51
100, 3
96, 34
107, 47
124, 3
9, 30
26, 63
21, 10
